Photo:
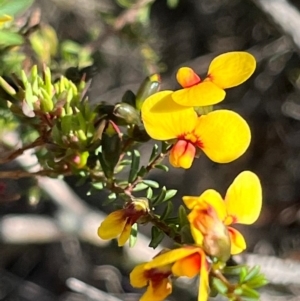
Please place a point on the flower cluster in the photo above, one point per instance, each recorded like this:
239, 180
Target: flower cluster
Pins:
223, 135
209, 219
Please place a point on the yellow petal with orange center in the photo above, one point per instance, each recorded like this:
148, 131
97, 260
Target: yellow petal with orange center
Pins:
124, 236
238, 243
137, 276
204, 94
224, 134
211, 197
244, 198
170, 257
188, 266
186, 77
182, 154
157, 291
164, 119
231, 69
204, 279
112, 225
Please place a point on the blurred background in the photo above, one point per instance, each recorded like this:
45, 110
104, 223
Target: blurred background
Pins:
49, 248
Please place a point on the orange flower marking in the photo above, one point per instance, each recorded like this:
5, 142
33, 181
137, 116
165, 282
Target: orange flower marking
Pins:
186, 261
119, 223
225, 71
211, 216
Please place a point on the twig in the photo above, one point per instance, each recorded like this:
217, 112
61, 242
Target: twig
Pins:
18, 174
38, 142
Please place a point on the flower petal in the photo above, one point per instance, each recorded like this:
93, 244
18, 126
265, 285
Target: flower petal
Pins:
188, 266
204, 94
224, 134
211, 197
112, 225
204, 281
170, 257
125, 234
182, 154
164, 119
186, 77
157, 291
244, 198
231, 69
238, 243
137, 276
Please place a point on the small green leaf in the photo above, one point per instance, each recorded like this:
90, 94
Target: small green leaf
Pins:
98, 185
14, 7
133, 235
151, 183
233, 270
169, 194
8, 38
157, 236
258, 281
249, 292
254, 271
134, 168
219, 285
110, 199
140, 187
243, 274
149, 193
153, 153
160, 197
183, 220
168, 210
162, 167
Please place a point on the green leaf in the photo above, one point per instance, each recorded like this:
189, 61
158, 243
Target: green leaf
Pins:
258, 281
249, 292
157, 236
162, 167
168, 210
243, 274
169, 194
110, 199
134, 168
8, 38
98, 185
160, 197
219, 285
183, 220
150, 183
133, 235
153, 153
13, 7
149, 193
129, 98
140, 187
233, 270
253, 272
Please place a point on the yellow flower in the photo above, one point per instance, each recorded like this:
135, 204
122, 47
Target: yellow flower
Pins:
119, 223
186, 261
225, 71
211, 216
222, 135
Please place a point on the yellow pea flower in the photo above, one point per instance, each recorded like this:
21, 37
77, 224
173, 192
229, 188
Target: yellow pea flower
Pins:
119, 223
222, 135
187, 261
211, 216
225, 71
